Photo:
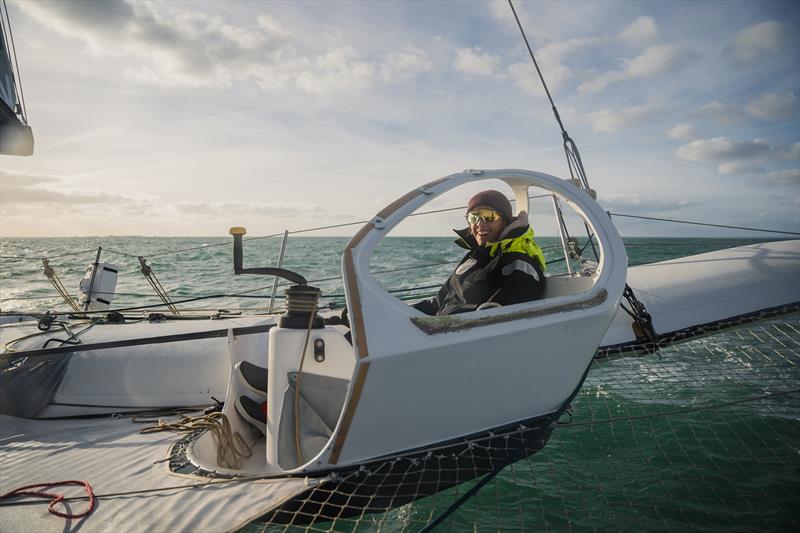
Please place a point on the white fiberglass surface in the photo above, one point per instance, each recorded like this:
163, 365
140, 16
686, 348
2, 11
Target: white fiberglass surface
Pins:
442, 255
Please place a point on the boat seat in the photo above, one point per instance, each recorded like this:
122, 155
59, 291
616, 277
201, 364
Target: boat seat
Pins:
563, 285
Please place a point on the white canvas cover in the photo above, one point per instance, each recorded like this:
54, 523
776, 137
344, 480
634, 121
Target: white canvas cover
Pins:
114, 458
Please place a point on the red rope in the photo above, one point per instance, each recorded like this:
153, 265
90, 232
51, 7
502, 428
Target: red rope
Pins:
56, 498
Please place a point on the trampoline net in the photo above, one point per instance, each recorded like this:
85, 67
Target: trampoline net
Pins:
704, 434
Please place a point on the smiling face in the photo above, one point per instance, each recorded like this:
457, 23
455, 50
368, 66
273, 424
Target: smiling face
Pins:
485, 225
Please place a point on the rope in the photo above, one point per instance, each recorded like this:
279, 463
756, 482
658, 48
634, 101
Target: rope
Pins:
311, 316
538, 71
58, 285
704, 224
107, 250
151, 278
69, 254
8, 349
459, 502
55, 498
232, 449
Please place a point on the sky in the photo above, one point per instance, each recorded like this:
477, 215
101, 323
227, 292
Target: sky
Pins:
186, 118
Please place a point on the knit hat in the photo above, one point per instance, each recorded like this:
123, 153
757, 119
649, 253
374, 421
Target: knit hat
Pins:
492, 200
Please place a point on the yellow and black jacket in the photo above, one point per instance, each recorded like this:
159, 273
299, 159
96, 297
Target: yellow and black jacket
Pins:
505, 272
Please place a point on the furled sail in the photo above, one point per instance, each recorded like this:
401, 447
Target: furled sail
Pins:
16, 137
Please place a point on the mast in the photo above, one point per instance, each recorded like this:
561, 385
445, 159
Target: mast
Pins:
16, 137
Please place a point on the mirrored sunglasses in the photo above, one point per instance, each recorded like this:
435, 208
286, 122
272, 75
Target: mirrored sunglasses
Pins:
487, 215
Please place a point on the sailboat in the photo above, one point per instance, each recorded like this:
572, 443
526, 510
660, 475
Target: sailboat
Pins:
366, 414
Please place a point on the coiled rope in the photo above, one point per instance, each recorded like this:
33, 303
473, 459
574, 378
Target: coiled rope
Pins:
28, 490
232, 449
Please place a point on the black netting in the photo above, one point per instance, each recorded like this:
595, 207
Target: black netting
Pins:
698, 435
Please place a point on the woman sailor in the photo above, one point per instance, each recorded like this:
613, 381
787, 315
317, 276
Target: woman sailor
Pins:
503, 266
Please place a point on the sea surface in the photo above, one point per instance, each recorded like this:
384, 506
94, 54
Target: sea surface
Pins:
702, 435
202, 268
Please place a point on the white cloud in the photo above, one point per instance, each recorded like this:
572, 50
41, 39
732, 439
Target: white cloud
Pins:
655, 61
613, 120
720, 148
736, 157
172, 47
551, 58
641, 31
20, 188
682, 131
721, 113
780, 178
740, 167
641, 204
770, 106
396, 67
474, 61
758, 42
793, 152
554, 53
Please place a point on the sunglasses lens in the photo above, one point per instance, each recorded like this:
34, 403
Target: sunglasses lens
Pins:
487, 215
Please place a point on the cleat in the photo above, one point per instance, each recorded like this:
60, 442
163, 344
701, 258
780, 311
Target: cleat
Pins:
253, 412
253, 377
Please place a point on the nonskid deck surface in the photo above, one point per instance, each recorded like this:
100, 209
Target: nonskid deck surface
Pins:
134, 487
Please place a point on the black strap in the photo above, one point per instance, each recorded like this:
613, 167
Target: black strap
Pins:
249, 330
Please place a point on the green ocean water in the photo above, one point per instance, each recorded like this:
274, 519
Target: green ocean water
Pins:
202, 267
704, 435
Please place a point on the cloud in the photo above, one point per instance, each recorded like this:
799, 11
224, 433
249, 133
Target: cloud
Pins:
178, 48
736, 157
723, 148
641, 31
474, 61
551, 59
757, 42
641, 204
721, 113
740, 167
613, 120
656, 61
19, 188
682, 131
16, 179
779, 178
216, 209
770, 106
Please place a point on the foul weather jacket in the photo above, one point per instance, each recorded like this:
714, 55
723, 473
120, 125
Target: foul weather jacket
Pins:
505, 272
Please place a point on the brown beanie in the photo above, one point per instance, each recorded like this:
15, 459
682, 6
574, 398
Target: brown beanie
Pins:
492, 200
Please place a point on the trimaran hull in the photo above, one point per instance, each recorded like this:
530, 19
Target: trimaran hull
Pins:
140, 366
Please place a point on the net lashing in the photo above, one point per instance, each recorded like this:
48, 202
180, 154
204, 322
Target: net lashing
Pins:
702, 434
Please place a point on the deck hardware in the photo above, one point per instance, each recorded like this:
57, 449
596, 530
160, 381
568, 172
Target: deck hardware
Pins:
426, 190
319, 350
378, 222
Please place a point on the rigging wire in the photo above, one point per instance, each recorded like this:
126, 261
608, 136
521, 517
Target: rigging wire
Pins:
574, 161
704, 224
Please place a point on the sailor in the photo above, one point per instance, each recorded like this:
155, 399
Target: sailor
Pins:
503, 265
